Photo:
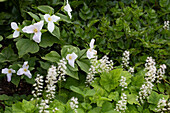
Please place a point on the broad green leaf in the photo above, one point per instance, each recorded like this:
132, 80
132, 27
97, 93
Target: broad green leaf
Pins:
46, 9
111, 80
4, 97
44, 65
90, 92
73, 74
64, 18
114, 96
77, 90
7, 54
1, 38
95, 110
47, 40
86, 106
131, 99
17, 108
154, 98
107, 106
69, 49
34, 16
27, 106
56, 32
53, 56
84, 64
25, 46
15, 80
163, 3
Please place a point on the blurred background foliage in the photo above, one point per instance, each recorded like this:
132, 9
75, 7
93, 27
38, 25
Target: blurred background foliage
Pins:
117, 25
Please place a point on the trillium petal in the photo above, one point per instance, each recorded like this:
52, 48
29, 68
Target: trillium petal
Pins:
28, 29
25, 65
39, 25
71, 62
92, 43
14, 25
55, 18
28, 74
69, 14
9, 77
89, 54
16, 34
5, 71
46, 16
20, 71
67, 57
51, 26
74, 56
67, 8
37, 37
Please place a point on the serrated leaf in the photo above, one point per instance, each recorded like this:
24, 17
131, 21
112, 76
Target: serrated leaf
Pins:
25, 46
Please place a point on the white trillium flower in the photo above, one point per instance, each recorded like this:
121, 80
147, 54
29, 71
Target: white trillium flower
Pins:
71, 58
36, 29
91, 52
68, 9
51, 20
15, 27
24, 70
8, 72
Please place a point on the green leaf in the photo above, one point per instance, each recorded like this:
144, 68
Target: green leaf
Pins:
46, 9
69, 49
73, 74
95, 110
47, 40
86, 106
53, 56
154, 98
56, 32
110, 80
4, 97
90, 92
25, 46
163, 3
64, 18
27, 106
15, 80
77, 90
114, 96
44, 65
131, 99
1, 38
84, 64
17, 108
7, 54
34, 16
107, 106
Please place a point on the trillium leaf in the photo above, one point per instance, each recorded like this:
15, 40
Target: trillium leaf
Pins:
53, 56
56, 32
34, 16
25, 46
73, 74
64, 18
47, 40
15, 80
84, 64
77, 90
46, 9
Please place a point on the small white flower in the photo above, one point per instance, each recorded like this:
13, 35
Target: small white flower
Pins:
8, 72
71, 58
36, 29
68, 9
51, 20
14, 26
24, 70
91, 52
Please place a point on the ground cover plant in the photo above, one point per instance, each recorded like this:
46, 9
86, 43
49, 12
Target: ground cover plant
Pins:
86, 56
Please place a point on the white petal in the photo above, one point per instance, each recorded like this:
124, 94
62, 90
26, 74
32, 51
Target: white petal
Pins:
55, 18
46, 16
14, 25
51, 26
28, 29
69, 14
28, 74
25, 65
74, 56
89, 54
20, 71
16, 34
67, 57
37, 37
9, 77
92, 43
71, 62
39, 25
67, 8
5, 71
13, 71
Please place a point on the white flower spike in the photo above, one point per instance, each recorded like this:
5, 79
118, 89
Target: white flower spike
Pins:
68, 9
71, 58
51, 20
91, 52
8, 72
24, 70
14, 26
36, 29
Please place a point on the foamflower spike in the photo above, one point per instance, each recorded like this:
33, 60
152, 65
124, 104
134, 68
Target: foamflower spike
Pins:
68, 9
15, 27
51, 20
91, 52
71, 58
8, 72
24, 70
36, 29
